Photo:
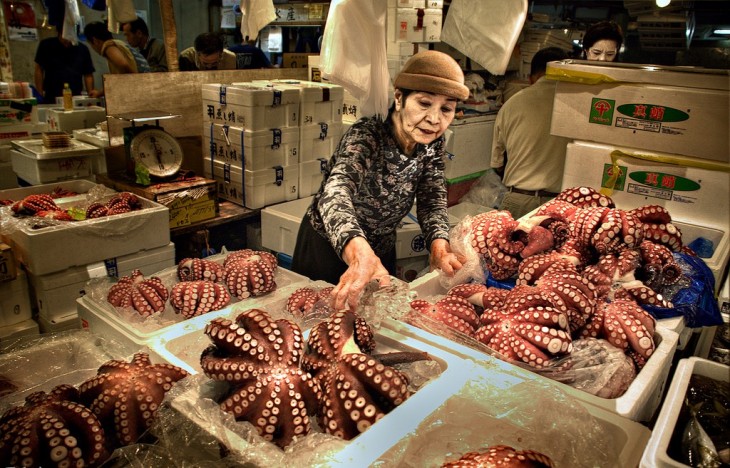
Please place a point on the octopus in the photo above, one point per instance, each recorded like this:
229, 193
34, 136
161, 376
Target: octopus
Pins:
197, 269
480, 296
123, 202
32, 204
528, 328
357, 389
454, 311
626, 326
584, 197
260, 359
302, 301
659, 268
532, 268
146, 295
502, 456
491, 238
193, 298
58, 215
657, 226
249, 273
52, 429
125, 396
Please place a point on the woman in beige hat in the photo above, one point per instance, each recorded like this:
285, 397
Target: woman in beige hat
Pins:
379, 169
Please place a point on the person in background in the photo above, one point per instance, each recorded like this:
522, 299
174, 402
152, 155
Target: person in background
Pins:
207, 53
58, 61
247, 54
528, 158
603, 42
380, 167
153, 50
120, 57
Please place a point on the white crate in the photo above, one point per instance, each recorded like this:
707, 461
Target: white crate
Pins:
10, 335
318, 102
56, 293
56, 248
18, 111
59, 120
655, 454
703, 211
468, 146
133, 331
311, 174
678, 110
246, 149
59, 324
319, 141
15, 300
643, 395
43, 171
252, 105
254, 189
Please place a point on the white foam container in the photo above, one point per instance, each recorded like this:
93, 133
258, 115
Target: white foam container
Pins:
246, 149
319, 140
638, 403
60, 120
56, 248
254, 189
59, 324
254, 106
468, 146
655, 454
133, 331
318, 102
15, 304
55, 168
56, 293
311, 174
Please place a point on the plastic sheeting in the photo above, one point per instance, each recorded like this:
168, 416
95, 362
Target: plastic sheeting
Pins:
255, 15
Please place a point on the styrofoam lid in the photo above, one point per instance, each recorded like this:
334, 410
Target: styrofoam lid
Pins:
311, 90
250, 138
250, 94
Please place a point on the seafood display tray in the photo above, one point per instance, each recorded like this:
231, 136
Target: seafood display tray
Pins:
102, 318
43, 362
655, 454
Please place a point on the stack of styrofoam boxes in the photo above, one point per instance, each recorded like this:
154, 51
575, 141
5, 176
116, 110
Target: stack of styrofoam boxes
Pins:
257, 114
410, 26
351, 109
60, 259
36, 164
16, 316
535, 39
651, 136
9, 133
99, 137
320, 129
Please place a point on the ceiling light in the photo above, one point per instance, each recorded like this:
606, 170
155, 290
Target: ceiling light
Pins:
721, 31
662, 3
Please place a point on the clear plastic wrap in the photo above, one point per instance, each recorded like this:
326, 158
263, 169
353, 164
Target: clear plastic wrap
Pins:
487, 191
473, 268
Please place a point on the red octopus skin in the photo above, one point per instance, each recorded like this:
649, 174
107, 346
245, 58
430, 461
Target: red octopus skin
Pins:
480, 295
146, 295
249, 273
59, 215
198, 269
454, 311
585, 197
301, 302
193, 298
32, 204
502, 456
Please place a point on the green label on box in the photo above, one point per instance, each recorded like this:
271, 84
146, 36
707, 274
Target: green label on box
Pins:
665, 181
602, 111
653, 112
612, 180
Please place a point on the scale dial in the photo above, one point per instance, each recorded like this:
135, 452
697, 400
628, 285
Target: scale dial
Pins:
158, 151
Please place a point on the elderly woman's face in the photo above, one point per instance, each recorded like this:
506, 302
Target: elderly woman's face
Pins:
604, 50
424, 116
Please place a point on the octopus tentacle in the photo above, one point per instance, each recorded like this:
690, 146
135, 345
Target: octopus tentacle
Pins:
193, 298
454, 311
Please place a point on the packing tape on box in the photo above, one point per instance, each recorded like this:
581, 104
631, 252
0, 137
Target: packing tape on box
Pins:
581, 77
664, 158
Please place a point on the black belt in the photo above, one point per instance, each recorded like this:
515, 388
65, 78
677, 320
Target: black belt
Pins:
533, 193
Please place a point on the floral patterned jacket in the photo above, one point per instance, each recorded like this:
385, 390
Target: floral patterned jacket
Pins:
369, 186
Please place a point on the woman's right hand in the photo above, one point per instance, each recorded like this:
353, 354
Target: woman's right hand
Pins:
363, 266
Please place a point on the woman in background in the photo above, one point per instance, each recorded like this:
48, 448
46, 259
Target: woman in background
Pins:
603, 42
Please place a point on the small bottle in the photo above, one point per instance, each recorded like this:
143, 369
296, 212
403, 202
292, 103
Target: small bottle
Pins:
68, 99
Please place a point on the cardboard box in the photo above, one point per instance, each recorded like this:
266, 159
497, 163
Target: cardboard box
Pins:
15, 305
251, 150
675, 110
296, 60
254, 189
8, 267
254, 106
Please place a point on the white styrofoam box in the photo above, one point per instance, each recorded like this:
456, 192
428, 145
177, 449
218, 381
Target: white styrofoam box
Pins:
407, 3
407, 26
43, 171
468, 146
15, 300
319, 141
56, 293
251, 150
432, 24
80, 101
363, 449
408, 269
677, 325
522, 412
311, 174
678, 110
318, 102
18, 131
94, 136
133, 331
351, 109
10, 334
59, 324
280, 225
5, 153
697, 199
409, 240
60, 120
254, 106
638, 403
18, 111
80, 186
655, 454
8, 179
58, 247
254, 189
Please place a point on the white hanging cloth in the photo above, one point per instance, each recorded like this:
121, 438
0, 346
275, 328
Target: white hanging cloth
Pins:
485, 31
256, 14
120, 11
353, 52
71, 18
